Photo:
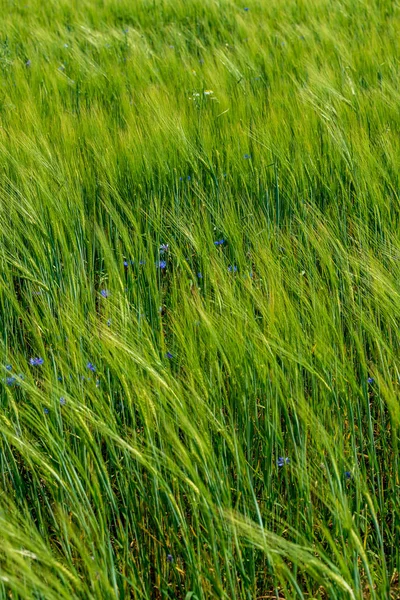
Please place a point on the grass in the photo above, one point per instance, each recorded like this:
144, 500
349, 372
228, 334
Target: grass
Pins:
154, 472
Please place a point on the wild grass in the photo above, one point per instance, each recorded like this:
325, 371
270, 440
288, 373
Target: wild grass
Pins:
141, 459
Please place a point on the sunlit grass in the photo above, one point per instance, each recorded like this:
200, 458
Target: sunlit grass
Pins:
200, 238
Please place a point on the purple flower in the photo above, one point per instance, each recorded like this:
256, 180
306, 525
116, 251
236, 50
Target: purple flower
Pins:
283, 461
35, 362
91, 367
219, 242
169, 355
161, 264
10, 380
105, 293
170, 558
347, 474
164, 248
8, 368
63, 401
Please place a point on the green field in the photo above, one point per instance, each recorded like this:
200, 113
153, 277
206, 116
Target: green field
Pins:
199, 299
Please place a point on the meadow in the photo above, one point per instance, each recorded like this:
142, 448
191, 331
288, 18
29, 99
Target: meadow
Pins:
199, 299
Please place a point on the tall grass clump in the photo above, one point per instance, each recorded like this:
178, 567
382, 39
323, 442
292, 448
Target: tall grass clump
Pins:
199, 299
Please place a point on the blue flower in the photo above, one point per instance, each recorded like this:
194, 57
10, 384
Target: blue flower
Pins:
63, 401
199, 275
219, 242
10, 380
169, 355
170, 558
91, 367
246, 8
36, 361
370, 380
164, 248
161, 264
283, 461
46, 411
247, 156
347, 474
8, 368
142, 262
105, 293
232, 268
126, 264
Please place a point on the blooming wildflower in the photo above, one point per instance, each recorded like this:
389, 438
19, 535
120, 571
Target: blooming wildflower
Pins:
246, 8
105, 293
91, 367
10, 380
169, 355
109, 323
232, 268
59, 378
63, 401
164, 248
126, 264
219, 242
370, 380
28, 63
46, 411
161, 264
347, 474
142, 262
170, 558
8, 368
246, 156
199, 275
36, 361
208, 92
283, 461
